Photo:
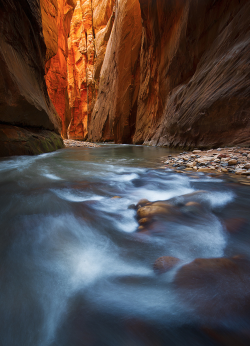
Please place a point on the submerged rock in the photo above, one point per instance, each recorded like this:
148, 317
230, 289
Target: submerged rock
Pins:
165, 263
217, 288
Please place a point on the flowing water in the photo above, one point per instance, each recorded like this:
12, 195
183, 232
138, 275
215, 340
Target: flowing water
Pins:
75, 271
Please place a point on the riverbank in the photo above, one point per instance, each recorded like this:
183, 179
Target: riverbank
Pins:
234, 161
69, 143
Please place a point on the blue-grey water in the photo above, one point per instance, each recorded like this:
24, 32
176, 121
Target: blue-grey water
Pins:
75, 271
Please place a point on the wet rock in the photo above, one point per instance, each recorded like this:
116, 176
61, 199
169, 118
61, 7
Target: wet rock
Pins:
235, 225
193, 207
143, 221
142, 202
204, 170
240, 171
153, 210
165, 263
19, 141
217, 288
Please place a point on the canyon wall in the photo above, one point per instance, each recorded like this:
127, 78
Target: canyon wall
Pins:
56, 64
195, 69
193, 75
168, 73
24, 101
114, 113
89, 33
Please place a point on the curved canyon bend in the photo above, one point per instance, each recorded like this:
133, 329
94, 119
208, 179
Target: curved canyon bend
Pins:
124, 173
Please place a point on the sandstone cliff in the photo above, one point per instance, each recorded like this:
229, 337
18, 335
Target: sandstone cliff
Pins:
168, 73
114, 113
89, 33
195, 68
56, 66
194, 75
24, 100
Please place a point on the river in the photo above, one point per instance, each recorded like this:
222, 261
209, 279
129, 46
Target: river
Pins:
76, 272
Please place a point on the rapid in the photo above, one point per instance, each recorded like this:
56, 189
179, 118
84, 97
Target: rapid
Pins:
75, 270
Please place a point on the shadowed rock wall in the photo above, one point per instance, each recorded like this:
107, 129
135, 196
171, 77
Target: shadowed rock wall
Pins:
24, 100
114, 113
195, 69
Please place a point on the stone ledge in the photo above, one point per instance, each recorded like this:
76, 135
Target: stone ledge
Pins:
15, 140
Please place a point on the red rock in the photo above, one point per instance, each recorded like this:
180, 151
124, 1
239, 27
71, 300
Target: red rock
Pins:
165, 263
56, 66
89, 33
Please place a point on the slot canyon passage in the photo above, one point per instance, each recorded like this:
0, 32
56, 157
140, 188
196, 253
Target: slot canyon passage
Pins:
124, 172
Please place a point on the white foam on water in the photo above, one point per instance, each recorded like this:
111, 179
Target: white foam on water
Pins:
52, 176
159, 195
68, 195
124, 177
218, 199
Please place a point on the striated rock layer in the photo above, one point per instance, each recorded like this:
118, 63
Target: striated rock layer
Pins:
193, 75
195, 68
56, 66
24, 100
89, 33
114, 113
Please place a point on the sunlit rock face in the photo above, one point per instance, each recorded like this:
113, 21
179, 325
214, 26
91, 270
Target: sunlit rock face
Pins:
24, 100
89, 33
195, 66
56, 66
114, 113
49, 11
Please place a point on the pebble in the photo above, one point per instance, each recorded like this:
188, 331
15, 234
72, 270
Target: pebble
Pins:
232, 162
72, 143
224, 162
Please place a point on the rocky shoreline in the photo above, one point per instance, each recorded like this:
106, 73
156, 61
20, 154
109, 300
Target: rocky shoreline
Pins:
234, 161
70, 143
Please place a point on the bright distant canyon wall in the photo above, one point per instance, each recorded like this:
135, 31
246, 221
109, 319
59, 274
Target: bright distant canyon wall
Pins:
160, 72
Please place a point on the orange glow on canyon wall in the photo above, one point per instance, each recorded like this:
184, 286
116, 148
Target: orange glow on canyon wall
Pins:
76, 33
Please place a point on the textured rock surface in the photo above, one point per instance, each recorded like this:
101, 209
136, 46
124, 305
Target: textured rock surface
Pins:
24, 100
113, 116
89, 33
26, 141
49, 11
56, 67
194, 73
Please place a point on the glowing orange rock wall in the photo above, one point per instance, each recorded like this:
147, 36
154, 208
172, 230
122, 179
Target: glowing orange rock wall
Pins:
89, 33
56, 66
